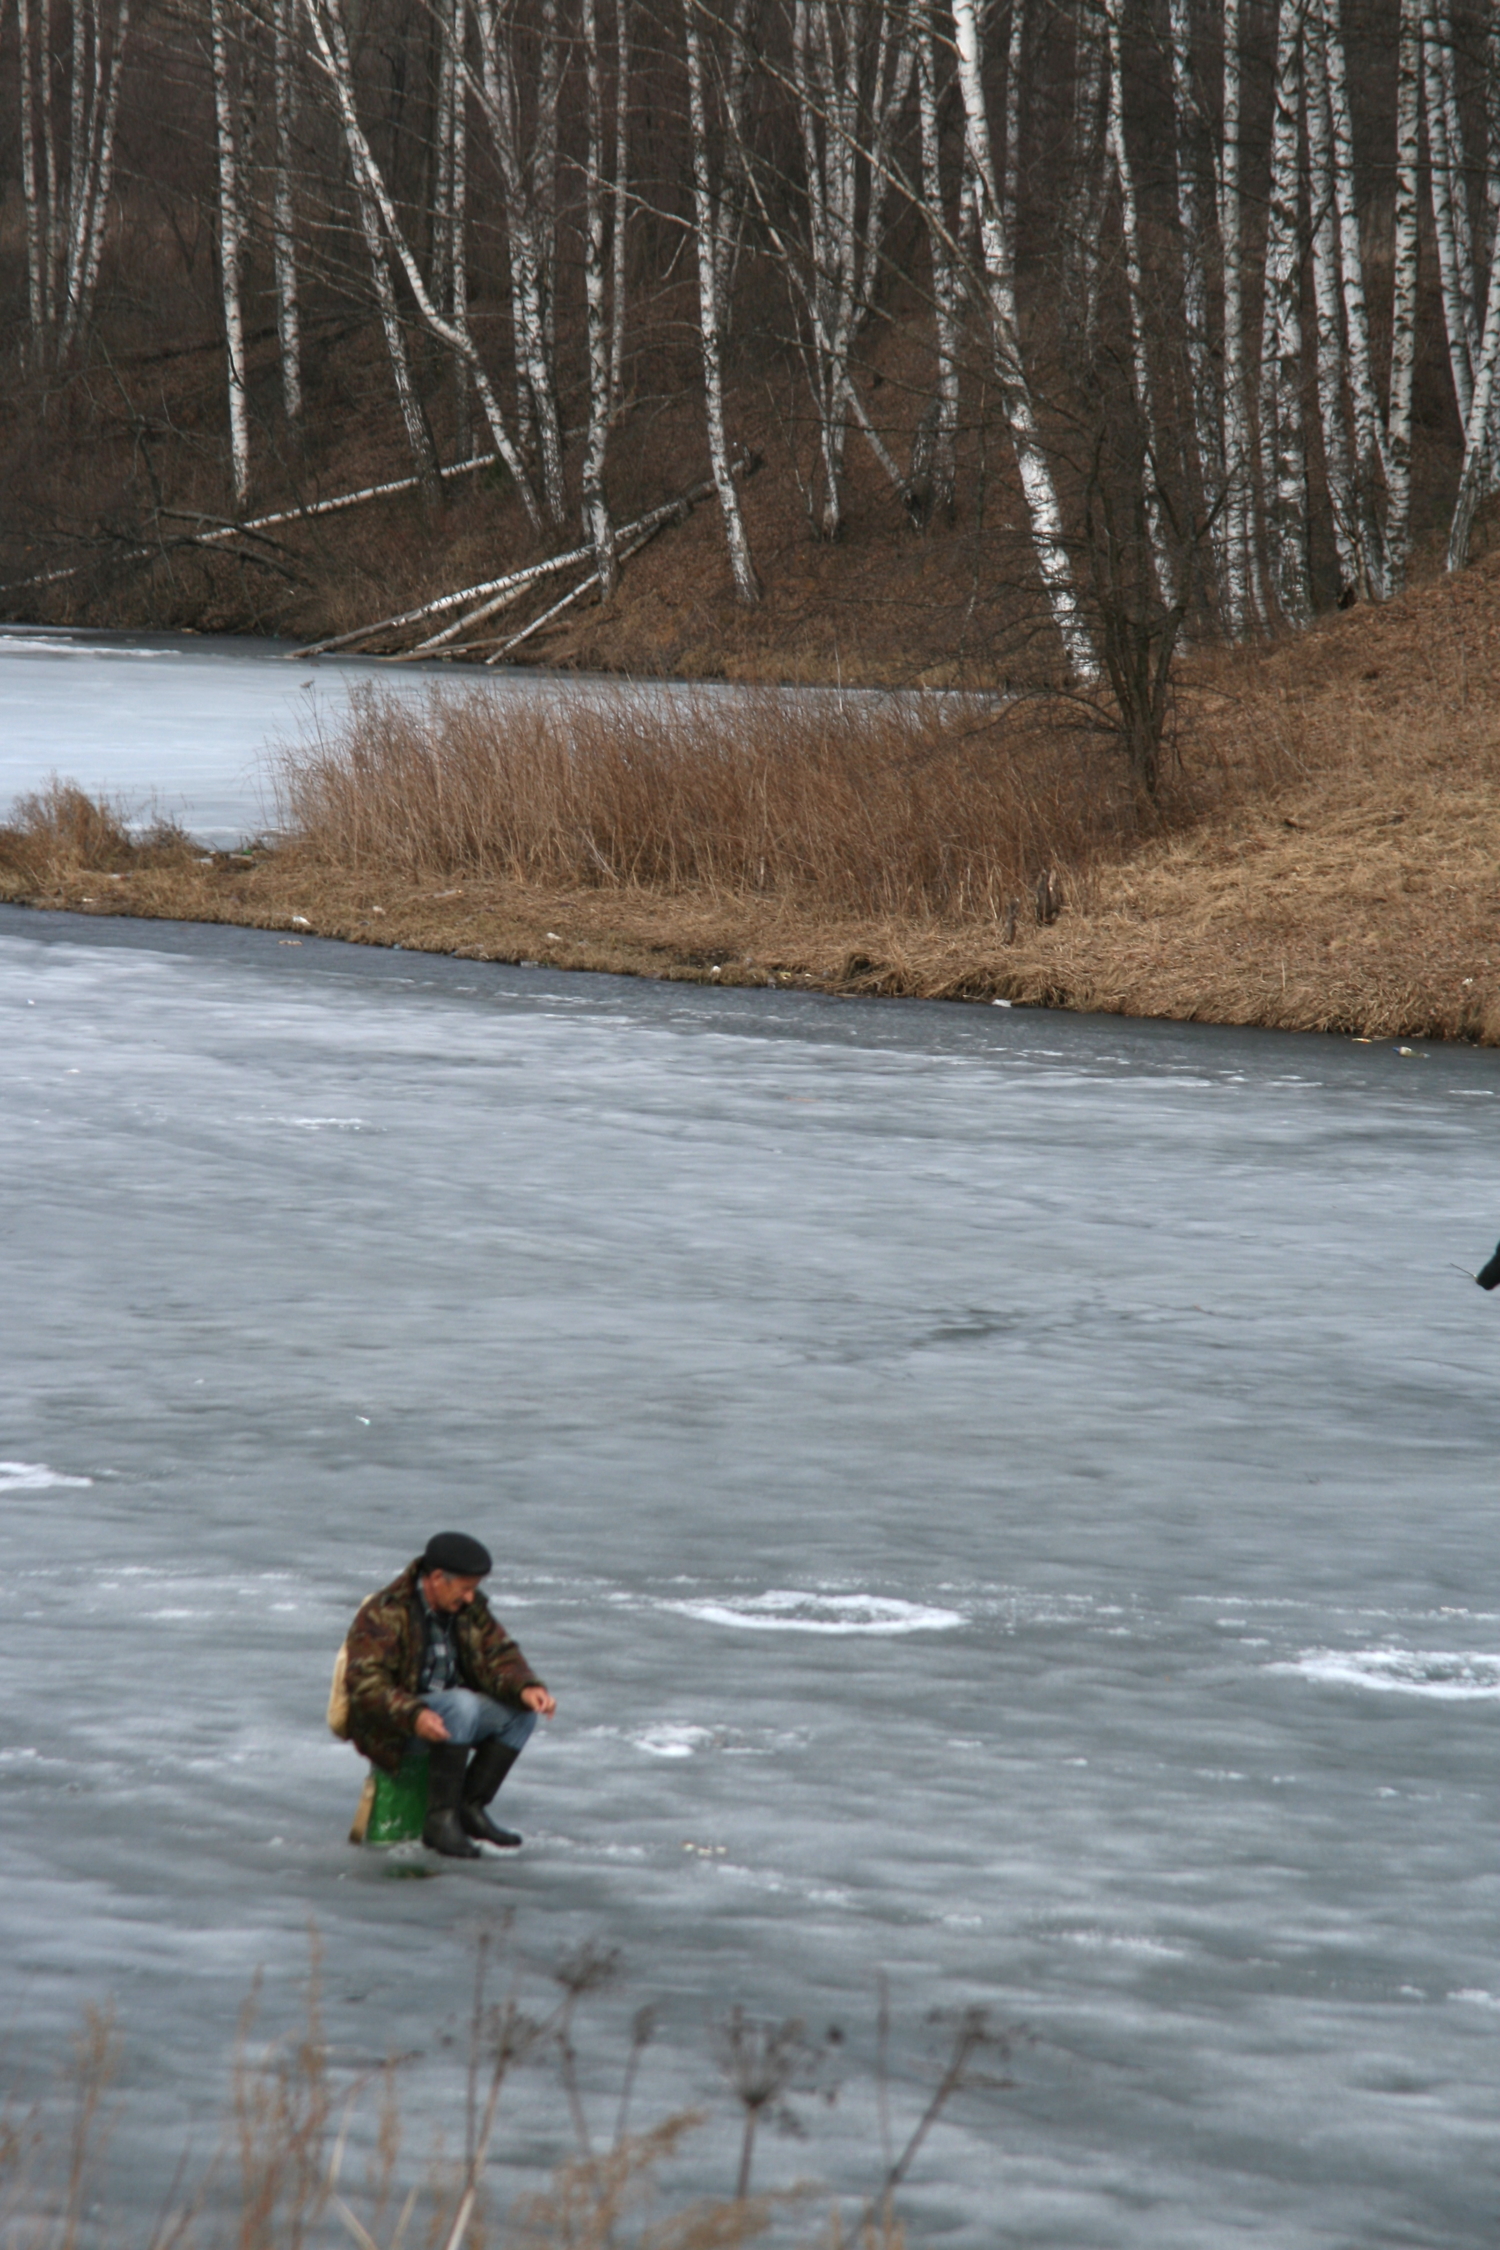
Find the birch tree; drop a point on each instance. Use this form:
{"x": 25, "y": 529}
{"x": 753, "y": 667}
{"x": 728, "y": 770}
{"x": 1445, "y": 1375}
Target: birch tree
{"x": 1208, "y": 430}
{"x": 596, "y": 516}
{"x": 1048, "y": 536}
{"x": 851, "y": 69}
{"x": 1163, "y": 559}
{"x": 382, "y": 225}
{"x": 1406, "y": 243}
{"x": 716, "y": 207}
{"x": 67, "y": 171}
{"x": 1328, "y": 303}
{"x": 1450, "y": 214}
{"x": 231, "y": 214}
{"x": 1369, "y": 452}
{"x": 934, "y": 459}
{"x": 513, "y": 65}
{"x": 1238, "y": 470}
{"x": 284, "y": 214}
{"x": 1282, "y": 443}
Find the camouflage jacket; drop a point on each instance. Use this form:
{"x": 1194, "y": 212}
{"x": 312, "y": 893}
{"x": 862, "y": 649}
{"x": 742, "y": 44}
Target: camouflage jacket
{"x": 384, "y": 1664}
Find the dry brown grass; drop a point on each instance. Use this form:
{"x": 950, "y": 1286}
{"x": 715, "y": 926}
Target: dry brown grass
{"x": 59, "y": 832}
{"x": 910, "y": 807}
{"x": 1329, "y": 861}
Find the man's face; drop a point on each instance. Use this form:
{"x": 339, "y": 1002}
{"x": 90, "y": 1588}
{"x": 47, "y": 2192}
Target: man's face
{"x": 447, "y": 1593}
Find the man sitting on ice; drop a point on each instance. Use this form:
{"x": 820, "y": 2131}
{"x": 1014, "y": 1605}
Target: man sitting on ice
{"x": 429, "y": 1670}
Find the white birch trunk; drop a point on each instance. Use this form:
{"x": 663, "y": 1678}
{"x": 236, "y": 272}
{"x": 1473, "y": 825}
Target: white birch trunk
{"x": 1238, "y": 471}
{"x": 1369, "y": 469}
{"x": 596, "y": 516}
{"x": 231, "y": 248}
{"x": 52, "y": 254}
{"x": 934, "y": 466}
{"x": 619, "y": 244}
{"x": 1048, "y": 541}
{"x": 1283, "y": 453}
{"x": 549, "y": 78}
{"x": 101, "y": 169}
{"x": 712, "y": 254}
{"x": 895, "y": 63}
{"x": 1405, "y": 249}
{"x": 458, "y": 218}
{"x": 1208, "y": 439}
{"x": 450, "y": 266}
{"x": 1328, "y": 303}
{"x": 284, "y": 216}
{"x": 413, "y": 419}
{"x": 1015, "y": 56}
{"x": 1163, "y": 560}
{"x": 527, "y": 183}
{"x": 326, "y": 23}
{"x": 31, "y": 187}
{"x": 825, "y": 76}
{"x": 1478, "y": 432}
{"x": 66, "y": 211}
{"x": 1449, "y": 211}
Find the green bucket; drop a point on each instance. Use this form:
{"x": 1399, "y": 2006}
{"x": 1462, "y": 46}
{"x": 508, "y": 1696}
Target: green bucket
{"x": 400, "y": 1806}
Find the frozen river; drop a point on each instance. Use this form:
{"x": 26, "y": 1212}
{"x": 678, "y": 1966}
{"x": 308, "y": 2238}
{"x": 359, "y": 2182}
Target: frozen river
{"x": 1006, "y": 1503}
{"x": 177, "y": 725}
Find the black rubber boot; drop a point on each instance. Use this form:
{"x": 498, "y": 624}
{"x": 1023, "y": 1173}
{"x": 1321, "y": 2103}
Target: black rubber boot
{"x": 443, "y": 1830}
{"x": 493, "y": 1760}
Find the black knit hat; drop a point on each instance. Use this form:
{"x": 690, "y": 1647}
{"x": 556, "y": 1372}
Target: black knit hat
{"x": 458, "y": 1554}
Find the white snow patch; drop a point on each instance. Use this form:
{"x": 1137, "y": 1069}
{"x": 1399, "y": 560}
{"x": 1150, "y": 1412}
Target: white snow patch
{"x": 787, "y": 1610}
{"x": 673, "y": 1741}
{"x": 1121, "y": 1941}
{"x": 1477, "y": 1995}
{"x": 1451, "y": 1675}
{"x": 33, "y": 1476}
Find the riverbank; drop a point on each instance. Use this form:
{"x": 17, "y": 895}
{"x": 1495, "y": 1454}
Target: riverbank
{"x": 1346, "y": 881}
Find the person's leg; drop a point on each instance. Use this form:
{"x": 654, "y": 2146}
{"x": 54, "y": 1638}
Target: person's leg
{"x": 472, "y": 1718}
{"x": 498, "y": 1735}
{"x": 443, "y": 1830}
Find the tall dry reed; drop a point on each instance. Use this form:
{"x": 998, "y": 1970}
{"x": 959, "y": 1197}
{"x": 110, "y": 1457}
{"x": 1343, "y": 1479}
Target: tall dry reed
{"x": 60, "y": 829}
{"x": 903, "y": 806}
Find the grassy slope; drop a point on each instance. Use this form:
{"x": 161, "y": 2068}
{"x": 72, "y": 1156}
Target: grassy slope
{"x": 1355, "y": 889}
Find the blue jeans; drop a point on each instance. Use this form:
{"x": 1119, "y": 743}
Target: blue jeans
{"x": 470, "y": 1717}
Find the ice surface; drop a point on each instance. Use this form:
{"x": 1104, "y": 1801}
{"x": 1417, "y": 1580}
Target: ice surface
{"x": 178, "y": 726}
{"x": 175, "y": 727}
{"x": 966, "y": 1474}
{"x": 1444, "y": 1673}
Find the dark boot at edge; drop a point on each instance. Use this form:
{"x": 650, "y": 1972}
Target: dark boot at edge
{"x": 492, "y": 1762}
{"x": 443, "y": 1830}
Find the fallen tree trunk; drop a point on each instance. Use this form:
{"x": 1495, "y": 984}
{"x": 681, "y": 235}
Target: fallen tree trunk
{"x": 307, "y": 508}
{"x": 494, "y": 593}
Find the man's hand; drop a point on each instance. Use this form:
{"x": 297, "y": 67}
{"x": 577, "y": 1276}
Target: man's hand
{"x": 431, "y": 1728}
{"x": 537, "y": 1699}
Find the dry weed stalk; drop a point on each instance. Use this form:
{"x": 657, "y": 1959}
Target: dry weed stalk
{"x": 60, "y": 830}
{"x": 915, "y": 806}
{"x": 290, "y": 2126}
{"x": 283, "y": 2106}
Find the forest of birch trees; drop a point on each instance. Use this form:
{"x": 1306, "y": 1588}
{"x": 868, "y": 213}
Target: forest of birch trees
{"x": 1220, "y": 278}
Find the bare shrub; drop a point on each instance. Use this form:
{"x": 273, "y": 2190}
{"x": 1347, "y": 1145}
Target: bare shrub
{"x": 919, "y": 806}
{"x": 60, "y": 830}
{"x": 277, "y": 2181}
{"x": 60, "y": 827}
